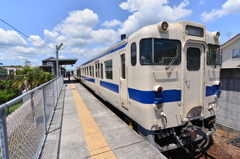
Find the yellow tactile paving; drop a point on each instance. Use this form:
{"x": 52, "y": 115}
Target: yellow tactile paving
{"x": 97, "y": 144}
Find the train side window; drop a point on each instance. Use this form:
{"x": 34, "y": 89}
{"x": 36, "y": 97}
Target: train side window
{"x": 98, "y": 70}
{"x": 101, "y": 71}
{"x": 146, "y": 51}
{"x": 108, "y": 69}
{"x": 133, "y": 54}
{"x": 123, "y": 65}
{"x": 90, "y": 70}
{"x": 87, "y": 71}
{"x": 93, "y": 71}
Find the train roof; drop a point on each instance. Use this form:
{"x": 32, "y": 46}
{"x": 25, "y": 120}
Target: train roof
{"x": 111, "y": 49}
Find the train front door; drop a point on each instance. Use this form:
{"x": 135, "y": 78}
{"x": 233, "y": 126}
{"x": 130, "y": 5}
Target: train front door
{"x": 193, "y": 81}
{"x": 123, "y": 82}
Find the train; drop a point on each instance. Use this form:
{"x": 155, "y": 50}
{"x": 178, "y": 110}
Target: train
{"x": 165, "y": 79}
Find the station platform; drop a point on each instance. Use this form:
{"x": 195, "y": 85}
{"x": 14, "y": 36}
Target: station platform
{"x": 83, "y": 127}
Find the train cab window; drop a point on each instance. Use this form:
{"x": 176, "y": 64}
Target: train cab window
{"x": 133, "y": 54}
{"x": 101, "y": 71}
{"x": 108, "y": 69}
{"x": 167, "y": 51}
{"x": 213, "y": 55}
{"x": 146, "y": 51}
{"x": 193, "y": 59}
{"x": 160, "y": 52}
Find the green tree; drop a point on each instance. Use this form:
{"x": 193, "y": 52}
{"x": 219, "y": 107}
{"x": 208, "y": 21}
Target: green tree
{"x": 31, "y": 77}
{"x": 7, "y": 92}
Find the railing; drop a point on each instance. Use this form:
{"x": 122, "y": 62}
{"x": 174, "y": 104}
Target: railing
{"x": 22, "y": 133}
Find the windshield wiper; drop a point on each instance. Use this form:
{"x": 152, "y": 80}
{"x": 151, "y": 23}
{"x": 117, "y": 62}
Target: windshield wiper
{"x": 173, "y": 60}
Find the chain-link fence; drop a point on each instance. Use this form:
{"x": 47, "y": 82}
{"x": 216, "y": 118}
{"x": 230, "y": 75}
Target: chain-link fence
{"x": 23, "y": 132}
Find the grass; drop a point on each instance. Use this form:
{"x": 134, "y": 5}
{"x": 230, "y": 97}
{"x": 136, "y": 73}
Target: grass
{"x": 13, "y": 108}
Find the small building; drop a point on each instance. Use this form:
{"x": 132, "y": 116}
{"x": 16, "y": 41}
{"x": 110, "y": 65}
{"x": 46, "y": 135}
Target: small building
{"x": 231, "y": 53}
{"x": 49, "y": 65}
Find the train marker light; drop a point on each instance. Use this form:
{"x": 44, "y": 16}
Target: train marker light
{"x": 158, "y": 89}
{"x": 218, "y": 83}
{"x": 216, "y": 35}
{"x": 163, "y": 26}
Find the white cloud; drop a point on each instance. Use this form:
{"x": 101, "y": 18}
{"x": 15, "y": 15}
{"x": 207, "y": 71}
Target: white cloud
{"x": 106, "y": 37}
{"x": 112, "y": 23}
{"x": 62, "y": 57}
{"x": 50, "y": 36}
{"x": 146, "y": 12}
{"x": 78, "y": 24}
{"x": 77, "y": 30}
{"x": 25, "y": 49}
{"x": 86, "y": 53}
{"x": 201, "y": 2}
{"x": 11, "y": 38}
{"x": 38, "y": 42}
{"x": 229, "y": 7}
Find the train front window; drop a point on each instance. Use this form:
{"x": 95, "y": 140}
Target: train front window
{"x": 160, "y": 51}
{"x": 167, "y": 51}
{"x": 213, "y": 55}
{"x": 146, "y": 51}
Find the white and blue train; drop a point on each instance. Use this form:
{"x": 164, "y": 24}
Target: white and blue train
{"x": 165, "y": 79}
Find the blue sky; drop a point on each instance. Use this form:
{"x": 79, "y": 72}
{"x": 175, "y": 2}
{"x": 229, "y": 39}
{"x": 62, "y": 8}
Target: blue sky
{"x": 87, "y": 27}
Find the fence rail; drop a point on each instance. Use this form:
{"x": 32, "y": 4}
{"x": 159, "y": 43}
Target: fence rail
{"x": 22, "y": 133}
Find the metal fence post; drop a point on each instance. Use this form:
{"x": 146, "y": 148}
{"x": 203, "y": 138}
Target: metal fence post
{"x": 3, "y": 135}
{"x": 44, "y": 110}
{"x": 33, "y": 109}
{"x": 53, "y": 95}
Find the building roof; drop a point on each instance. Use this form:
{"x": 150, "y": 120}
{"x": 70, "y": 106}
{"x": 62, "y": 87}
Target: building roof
{"x": 64, "y": 61}
{"x": 230, "y": 41}
{"x": 61, "y": 61}
{"x": 48, "y": 59}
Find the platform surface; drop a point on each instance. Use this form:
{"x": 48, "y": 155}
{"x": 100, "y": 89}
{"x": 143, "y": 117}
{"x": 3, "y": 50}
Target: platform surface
{"x": 83, "y": 127}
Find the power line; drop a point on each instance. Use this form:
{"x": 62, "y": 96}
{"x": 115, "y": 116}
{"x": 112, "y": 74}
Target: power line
{"x": 23, "y": 33}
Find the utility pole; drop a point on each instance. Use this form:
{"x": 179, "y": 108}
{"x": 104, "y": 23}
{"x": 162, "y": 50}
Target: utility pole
{"x": 57, "y": 49}
{"x": 229, "y": 34}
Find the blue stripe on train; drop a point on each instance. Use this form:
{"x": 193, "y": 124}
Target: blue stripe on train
{"x": 88, "y": 79}
{"x": 212, "y": 90}
{"x": 149, "y": 97}
{"x": 111, "y": 86}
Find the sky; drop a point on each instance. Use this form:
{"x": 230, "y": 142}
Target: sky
{"x": 31, "y": 29}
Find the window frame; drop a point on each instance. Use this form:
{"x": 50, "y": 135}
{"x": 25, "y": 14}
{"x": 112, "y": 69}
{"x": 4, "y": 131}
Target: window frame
{"x": 199, "y": 59}
{"x": 238, "y": 54}
{"x": 131, "y": 49}
{"x": 106, "y": 74}
{"x": 207, "y": 60}
{"x": 153, "y": 53}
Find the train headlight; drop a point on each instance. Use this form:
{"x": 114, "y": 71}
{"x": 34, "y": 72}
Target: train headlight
{"x": 216, "y": 35}
{"x": 162, "y": 26}
{"x": 158, "y": 89}
{"x": 218, "y": 83}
